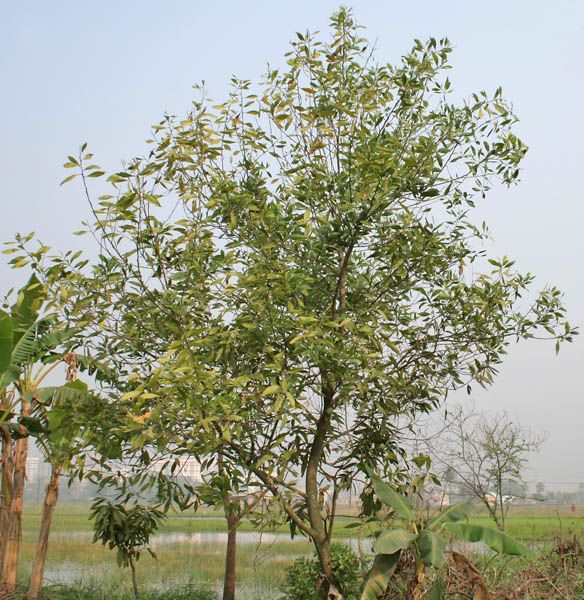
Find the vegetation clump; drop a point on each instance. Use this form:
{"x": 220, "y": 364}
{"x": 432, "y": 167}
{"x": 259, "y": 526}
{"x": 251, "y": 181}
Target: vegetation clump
{"x": 304, "y": 581}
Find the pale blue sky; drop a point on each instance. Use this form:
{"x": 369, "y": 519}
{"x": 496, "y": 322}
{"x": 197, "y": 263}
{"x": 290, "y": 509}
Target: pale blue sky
{"x": 103, "y": 72}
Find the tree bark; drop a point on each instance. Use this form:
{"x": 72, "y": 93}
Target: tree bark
{"x": 5, "y": 493}
{"x": 51, "y": 497}
{"x": 134, "y": 579}
{"x": 320, "y": 539}
{"x": 14, "y": 530}
{"x": 229, "y": 579}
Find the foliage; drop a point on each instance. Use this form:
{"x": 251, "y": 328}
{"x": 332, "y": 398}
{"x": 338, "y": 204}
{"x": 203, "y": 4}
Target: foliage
{"x": 425, "y": 539}
{"x": 128, "y": 529}
{"x": 290, "y": 271}
{"x": 304, "y": 582}
{"x": 25, "y": 339}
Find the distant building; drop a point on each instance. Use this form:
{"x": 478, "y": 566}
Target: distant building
{"x": 182, "y": 466}
{"x": 32, "y": 468}
{"x": 190, "y": 468}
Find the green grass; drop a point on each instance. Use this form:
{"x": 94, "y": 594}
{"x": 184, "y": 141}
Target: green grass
{"x": 526, "y": 523}
{"x": 108, "y": 592}
{"x": 260, "y": 569}
{"x": 74, "y": 559}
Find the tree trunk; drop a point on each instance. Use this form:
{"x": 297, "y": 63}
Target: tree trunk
{"x": 134, "y": 579}
{"x": 323, "y": 551}
{"x": 229, "y": 580}
{"x": 5, "y": 493}
{"x": 51, "y": 497}
{"x": 320, "y": 539}
{"x": 14, "y": 531}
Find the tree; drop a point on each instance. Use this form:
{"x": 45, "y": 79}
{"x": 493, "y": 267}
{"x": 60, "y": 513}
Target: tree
{"x": 487, "y": 454}
{"x": 238, "y": 498}
{"x": 59, "y": 445}
{"x": 126, "y": 528}
{"x": 289, "y": 271}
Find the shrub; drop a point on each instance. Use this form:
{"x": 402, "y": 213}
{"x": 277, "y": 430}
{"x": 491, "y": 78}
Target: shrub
{"x": 302, "y": 577}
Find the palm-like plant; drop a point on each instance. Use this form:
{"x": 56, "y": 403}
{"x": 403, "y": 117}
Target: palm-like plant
{"x": 29, "y": 351}
{"x": 425, "y": 538}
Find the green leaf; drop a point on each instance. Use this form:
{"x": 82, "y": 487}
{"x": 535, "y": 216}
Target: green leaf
{"x": 401, "y": 505}
{"x": 69, "y": 178}
{"x": 22, "y": 352}
{"x": 5, "y": 340}
{"x": 271, "y": 389}
{"x": 72, "y": 390}
{"x": 494, "y": 539}
{"x": 393, "y": 540}
{"x": 376, "y": 580}
{"x": 33, "y": 425}
{"x": 28, "y": 303}
{"x": 431, "y": 547}
{"x": 437, "y": 591}
{"x": 78, "y": 385}
{"x": 451, "y": 514}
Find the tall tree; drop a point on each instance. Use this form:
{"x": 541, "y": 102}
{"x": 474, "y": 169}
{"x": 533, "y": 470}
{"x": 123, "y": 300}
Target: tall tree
{"x": 60, "y": 446}
{"x": 289, "y": 271}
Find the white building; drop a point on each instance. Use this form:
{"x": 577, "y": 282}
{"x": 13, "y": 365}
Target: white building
{"x": 32, "y": 468}
{"x": 190, "y": 468}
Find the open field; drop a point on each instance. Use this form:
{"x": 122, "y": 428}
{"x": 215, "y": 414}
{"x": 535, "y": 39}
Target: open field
{"x": 537, "y": 522}
{"x": 191, "y": 548}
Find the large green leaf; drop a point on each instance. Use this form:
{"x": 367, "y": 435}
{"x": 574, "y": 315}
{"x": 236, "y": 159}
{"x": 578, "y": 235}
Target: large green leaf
{"x": 393, "y": 540}
{"x": 72, "y": 390}
{"x": 33, "y": 425}
{"x": 401, "y": 505}
{"x": 52, "y": 340}
{"x": 28, "y": 303}
{"x": 451, "y": 514}
{"x": 5, "y": 340}
{"x": 376, "y": 580}
{"x": 21, "y": 352}
{"x": 32, "y": 346}
{"x": 432, "y": 549}
{"x": 494, "y": 539}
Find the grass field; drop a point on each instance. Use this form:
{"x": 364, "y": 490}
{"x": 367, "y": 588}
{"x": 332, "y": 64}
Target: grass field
{"x": 537, "y": 522}
{"x": 194, "y": 558}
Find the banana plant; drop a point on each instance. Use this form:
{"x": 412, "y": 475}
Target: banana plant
{"x": 426, "y": 539}
{"x": 29, "y": 351}
{"x": 27, "y": 356}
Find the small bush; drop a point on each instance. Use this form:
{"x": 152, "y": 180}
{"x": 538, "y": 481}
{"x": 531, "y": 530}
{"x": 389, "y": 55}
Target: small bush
{"x": 302, "y": 577}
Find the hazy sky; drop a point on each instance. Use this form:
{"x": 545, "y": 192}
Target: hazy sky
{"x": 104, "y": 72}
